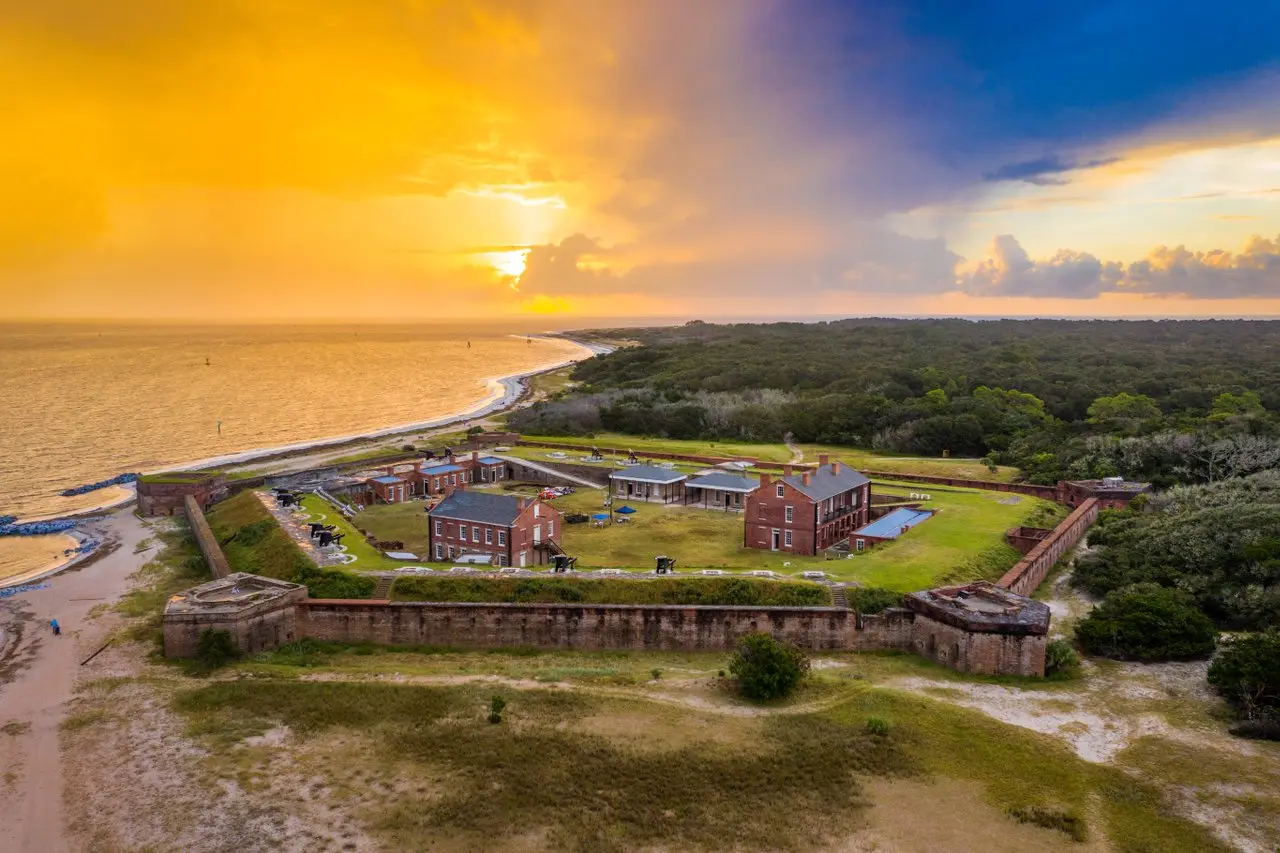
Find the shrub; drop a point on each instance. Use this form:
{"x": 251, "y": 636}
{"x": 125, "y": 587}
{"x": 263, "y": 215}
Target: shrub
{"x": 1060, "y": 658}
{"x": 496, "y": 704}
{"x": 873, "y": 599}
{"x": 656, "y": 673}
{"x": 767, "y": 668}
{"x": 333, "y": 583}
{"x": 1146, "y": 622}
{"x": 1247, "y": 674}
{"x": 215, "y": 649}
{"x": 878, "y": 726}
{"x": 1063, "y": 822}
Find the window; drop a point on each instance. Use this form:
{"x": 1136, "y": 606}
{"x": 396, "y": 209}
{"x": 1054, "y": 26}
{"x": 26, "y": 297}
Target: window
{"x": 435, "y": 484}
{"x": 551, "y": 529}
{"x": 782, "y": 492}
{"x": 488, "y": 536}
{"x": 453, "y": 479}
{"x": 439, "y": 528}
{"x": 786, "y": 538}
{"x": 451, "y": 552}
{"x": 502, "y": 537}
{"x": 439, "y": 551}
{"x": 475, "y": 533}
{"x": 791, "y": 512}
{"x": 502, "y": 560}
{"x": 462, "y": 532}
{"x": 537, "y": 510}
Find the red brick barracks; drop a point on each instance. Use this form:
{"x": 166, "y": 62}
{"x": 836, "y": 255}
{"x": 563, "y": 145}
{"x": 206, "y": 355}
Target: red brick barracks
{"x": 408, "y": 480}
{"x": 512, "y": 530}
{"x": 807, "y": 513}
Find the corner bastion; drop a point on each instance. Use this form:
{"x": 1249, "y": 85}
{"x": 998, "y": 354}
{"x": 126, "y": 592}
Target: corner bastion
{"x": 258, "y": 612}
{"x": 980, "y": 628}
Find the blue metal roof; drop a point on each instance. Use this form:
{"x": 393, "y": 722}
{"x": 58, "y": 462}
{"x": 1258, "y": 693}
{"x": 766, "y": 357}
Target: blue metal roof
{"x": 442, "y": 469}
{"x": 890, "y": 526}
{"x": 387, "y": 480}
{"x": 490, "y": 460}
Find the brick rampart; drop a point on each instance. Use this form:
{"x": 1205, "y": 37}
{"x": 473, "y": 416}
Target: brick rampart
{"x": 205, "y": 539}
{"x": 600, "y": 626}
{"x": 159, "y": 498}
{"x": 1030, "y": 571}
{"x": 978, "y": 652}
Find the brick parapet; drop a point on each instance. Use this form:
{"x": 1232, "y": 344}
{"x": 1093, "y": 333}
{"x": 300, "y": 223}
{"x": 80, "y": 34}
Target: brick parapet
{"x": 1029, "y": 572}
{"x": 205, "y": 539}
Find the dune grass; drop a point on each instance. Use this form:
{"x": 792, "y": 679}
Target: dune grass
{"x": 587, "y": 770}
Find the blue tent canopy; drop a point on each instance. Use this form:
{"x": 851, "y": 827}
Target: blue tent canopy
{"x": 599, "y": 516}
{"x": 624, "y": 510}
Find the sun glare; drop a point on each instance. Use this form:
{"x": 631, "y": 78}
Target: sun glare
{"x": 508, "y": 264}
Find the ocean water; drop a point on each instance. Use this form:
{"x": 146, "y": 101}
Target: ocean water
{"x": 84, "y": 402}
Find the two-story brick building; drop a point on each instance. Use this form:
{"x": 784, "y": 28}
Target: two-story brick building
{"x": 807, "y": 512}
{"x": 513, "y": 530}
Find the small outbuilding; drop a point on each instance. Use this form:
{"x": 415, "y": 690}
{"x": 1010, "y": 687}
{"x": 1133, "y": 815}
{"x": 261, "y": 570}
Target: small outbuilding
{"x": 980, "y": 628}
{"x": 388, "y": 489}
{"x": 719, "y": 490}
{"x": 648, "y": 483}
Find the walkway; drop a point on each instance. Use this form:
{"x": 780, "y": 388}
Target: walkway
{"x": 546, "y": 469}
{"x": 297, "y": 524}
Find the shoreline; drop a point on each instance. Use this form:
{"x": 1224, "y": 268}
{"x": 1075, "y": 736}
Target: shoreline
{"x": 505, "y": 392}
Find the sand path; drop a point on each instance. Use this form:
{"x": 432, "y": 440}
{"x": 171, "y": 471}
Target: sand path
{"x": 38, "y": 674}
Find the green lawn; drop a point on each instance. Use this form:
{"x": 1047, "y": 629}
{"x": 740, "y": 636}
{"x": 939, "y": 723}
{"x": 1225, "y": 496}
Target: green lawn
{"x": 406, "y": 522}
{"x": 890, "y": 463}
{"x": 966, "y": 536}
{"x": 368, "y": 558}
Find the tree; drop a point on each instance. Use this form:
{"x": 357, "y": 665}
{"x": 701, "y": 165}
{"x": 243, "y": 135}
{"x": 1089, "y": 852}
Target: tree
{"x": 767, "y": 668}
{"x": 1147, "y": 622}
{"x": 1228, "y": 405}
{"x": 1247, "y": 674}
{"x": 1123, "y": 410}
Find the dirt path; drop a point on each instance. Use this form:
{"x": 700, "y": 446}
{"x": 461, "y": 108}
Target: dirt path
{"x": 797, "y": 455}
{"x": 38, "y": 674}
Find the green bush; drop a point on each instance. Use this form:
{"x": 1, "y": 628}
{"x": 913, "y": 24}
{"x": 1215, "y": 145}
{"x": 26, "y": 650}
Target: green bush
{"x": 767, "y": 668}
{"x": 878, "y": 726}
{"x": 1247, "y": 674}
{"x": 215, "y": 649}
{"x": 1060, "y": 658}
{"x": 872, "y": 599}
{"x": 1146, "y": 622}
{"x": 496, "y": 704}
{"x": 1063, "y": 822}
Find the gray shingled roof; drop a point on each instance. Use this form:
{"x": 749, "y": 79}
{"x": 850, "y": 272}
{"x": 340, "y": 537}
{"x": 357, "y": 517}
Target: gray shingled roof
{"x": 823, "y": 484}
{"x": 647, "y": 474}
{"x": 480, "y": 507}
{"x": 721, "y": 480}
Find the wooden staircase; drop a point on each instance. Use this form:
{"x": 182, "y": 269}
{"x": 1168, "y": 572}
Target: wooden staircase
{"x": 382, "y": 591}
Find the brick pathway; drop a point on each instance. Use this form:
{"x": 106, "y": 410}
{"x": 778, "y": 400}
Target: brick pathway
{"x": 296, "y": 523}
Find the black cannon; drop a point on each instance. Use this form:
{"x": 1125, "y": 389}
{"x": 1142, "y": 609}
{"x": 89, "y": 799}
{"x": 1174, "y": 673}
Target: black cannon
{"x": 562, "y": 563}
{"x": 317, "y": 529}
{"x": 666, "y": 566}
{"x": 632, "y": 458}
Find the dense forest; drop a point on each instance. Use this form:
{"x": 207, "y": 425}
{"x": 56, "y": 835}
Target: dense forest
{"x": 1164, "y": 401}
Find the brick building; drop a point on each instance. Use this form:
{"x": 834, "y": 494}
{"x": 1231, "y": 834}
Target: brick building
{"x": 513, "y": 530}
{"x": 407, "y": 480}
{"x": 808, "y": 512}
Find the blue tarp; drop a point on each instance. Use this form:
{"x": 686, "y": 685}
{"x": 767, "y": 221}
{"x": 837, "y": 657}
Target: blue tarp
{"x": 624, "y": 510}
{"x": 890, "y": 526}
{"x": 600, "y": 516}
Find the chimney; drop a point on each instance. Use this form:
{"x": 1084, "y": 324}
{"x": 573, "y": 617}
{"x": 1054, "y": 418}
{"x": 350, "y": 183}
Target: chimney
{"x": 835, "y": 467}
{"x": 475, "y": 456}
{"x": 822, "y": 459}
{"x": 786, "y": 470}
{"x": 764, "y": 478}
{"x": 805, "y": 477}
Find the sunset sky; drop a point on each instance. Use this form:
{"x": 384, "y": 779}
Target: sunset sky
{"x": 409, "y": 159}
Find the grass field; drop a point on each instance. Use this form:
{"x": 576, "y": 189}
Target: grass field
{"x": 252, "y": 540}
{"x": 653, "y": 751}
{"x": 967, "y": 468}
{"x": 367, "y": 557}
{"x": 968, "y": 531}
{"x": 406, "y": 522}
{"x": 732, "y": 591}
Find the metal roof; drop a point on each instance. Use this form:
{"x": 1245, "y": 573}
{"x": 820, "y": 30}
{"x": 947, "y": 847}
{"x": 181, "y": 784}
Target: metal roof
{"x": 823, "y": 484}
{"x": 647, "y": 474}
{"x": 388, "y": 480}
{"x": 481, "y": 507}
{"x": 442, "y": 469}
{"x": 725, "y": 482}
{"x": 489, "y": 460}
{"x": 890, "y": 526}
